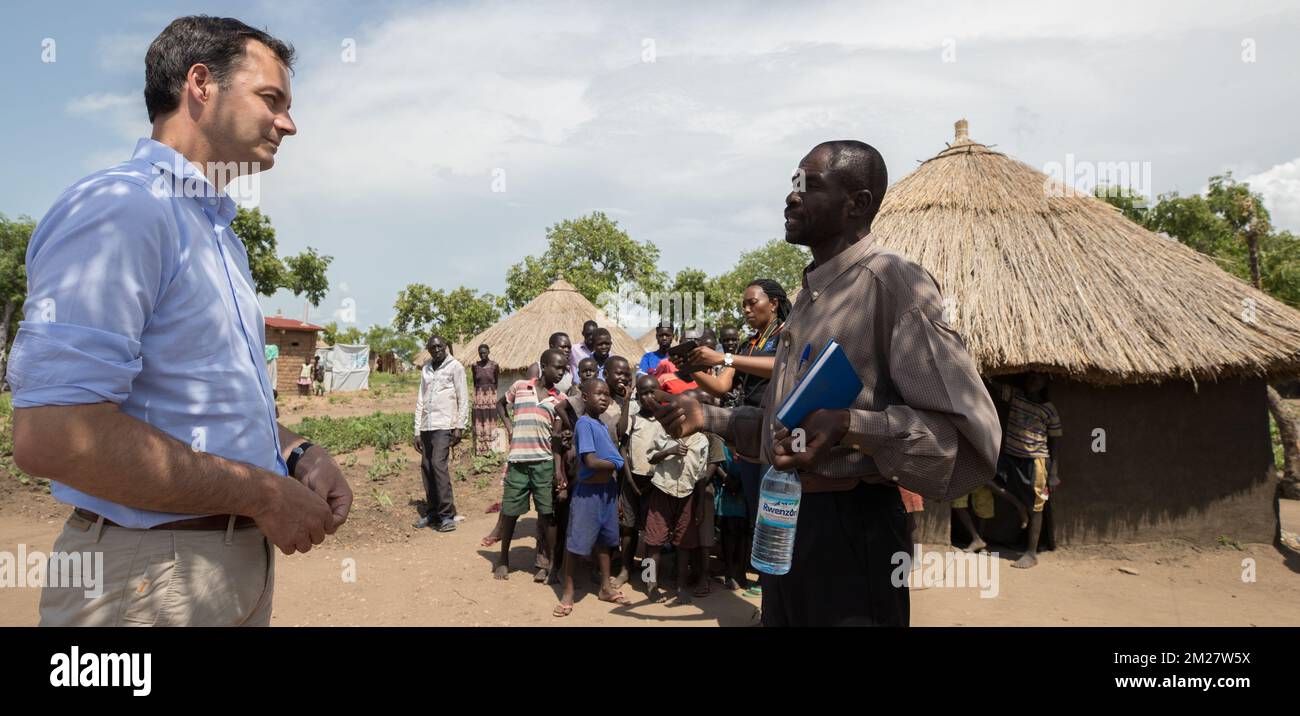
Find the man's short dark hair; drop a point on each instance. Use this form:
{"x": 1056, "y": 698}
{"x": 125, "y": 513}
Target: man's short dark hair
{"x": 216, "y": 42}
{"x": 551, "y": 354}
{"x": 602, "y": 332}
{"x": 857, "y": 165}
{"x": 555, "y": 337}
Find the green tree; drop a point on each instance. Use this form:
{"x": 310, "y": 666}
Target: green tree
{"x": 15, "y": 234}
{"x": 591, "y": 253}
{"x": 778, "y": 260}
{"x": 458, "y": 315}
{"x": 1132, "y": 204}
{"x": 686, "y": 300}
{"x": 349, "y": 336}
{"x": 303, "y": 274}
{"x": 383, "y": 339}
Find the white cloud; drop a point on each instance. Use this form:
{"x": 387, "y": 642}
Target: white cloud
{"x": 392, "y": 170}
{"x": 1280, "y": 187}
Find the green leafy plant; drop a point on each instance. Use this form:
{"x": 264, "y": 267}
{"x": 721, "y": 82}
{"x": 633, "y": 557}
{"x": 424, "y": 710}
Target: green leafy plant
{"x": 381, "y": 431}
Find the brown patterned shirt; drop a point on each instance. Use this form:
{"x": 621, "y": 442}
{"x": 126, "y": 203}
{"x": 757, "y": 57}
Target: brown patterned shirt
{"x": 923, "y": 419}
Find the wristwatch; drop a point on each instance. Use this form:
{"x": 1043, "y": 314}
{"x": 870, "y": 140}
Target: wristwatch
{"x": 727, "y": 359}
{"x": 292, "y": 462}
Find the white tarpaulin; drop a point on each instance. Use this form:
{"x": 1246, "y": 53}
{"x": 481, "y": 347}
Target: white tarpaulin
{"x": 346, "y": 367}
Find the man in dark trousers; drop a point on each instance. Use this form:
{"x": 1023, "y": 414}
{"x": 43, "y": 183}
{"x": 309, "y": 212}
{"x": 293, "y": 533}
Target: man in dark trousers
{"x": 441, "y": 410}
{"x": 923, "y": 419}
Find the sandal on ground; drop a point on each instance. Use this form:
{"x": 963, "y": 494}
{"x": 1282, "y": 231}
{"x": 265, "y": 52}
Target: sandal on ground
{"x": 615, "y": 597}
{"x": 562, "y": 610}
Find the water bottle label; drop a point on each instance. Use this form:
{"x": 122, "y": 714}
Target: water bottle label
{"x": 778, "y": 511}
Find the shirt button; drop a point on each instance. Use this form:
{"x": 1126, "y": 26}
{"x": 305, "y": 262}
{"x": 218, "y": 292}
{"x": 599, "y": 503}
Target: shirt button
{"x": 816, "y": 294}
{"x": 894, "y": 478}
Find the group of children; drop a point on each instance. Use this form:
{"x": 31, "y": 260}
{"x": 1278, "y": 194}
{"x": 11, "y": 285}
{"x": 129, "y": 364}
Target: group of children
{"x": 608, "y": 482}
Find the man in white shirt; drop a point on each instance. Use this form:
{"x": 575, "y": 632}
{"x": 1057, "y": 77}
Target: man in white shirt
{"x": 441, "y": 411}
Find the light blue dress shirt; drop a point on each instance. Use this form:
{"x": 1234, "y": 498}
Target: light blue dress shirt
{"x": 139, "y": 293}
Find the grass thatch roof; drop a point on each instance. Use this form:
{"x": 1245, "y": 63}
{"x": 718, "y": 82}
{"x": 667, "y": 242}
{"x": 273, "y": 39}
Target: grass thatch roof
{"x": 1065, "y": 284}
{"x": 518, "y": 340}
{"x": 648, "y": 342}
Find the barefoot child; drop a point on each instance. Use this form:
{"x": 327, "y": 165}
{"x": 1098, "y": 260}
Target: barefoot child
{"x": 1028, "y": 449}
{"x": 671, "y": 517}
{"x": 644, "y": 432}
{"x": 593, "y": 498}
{"x": 531, "y": 462}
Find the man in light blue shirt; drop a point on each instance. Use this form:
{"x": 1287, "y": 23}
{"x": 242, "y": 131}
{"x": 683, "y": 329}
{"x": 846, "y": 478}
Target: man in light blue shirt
{"x": 138, "y": 373}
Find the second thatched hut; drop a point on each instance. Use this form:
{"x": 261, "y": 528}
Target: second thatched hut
{"x": 1158, "y": 359}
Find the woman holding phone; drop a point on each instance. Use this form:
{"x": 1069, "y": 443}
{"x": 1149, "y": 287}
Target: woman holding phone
{"x": 766, "y": 307}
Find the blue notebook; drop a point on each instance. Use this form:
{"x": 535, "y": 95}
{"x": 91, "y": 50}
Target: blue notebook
{"x": 830, "y": 384}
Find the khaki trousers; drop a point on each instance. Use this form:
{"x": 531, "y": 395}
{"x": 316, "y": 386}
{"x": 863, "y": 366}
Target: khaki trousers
{"x": 165, "y": 578}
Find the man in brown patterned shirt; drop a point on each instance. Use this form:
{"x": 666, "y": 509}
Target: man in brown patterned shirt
{"x": 923, "y": 420}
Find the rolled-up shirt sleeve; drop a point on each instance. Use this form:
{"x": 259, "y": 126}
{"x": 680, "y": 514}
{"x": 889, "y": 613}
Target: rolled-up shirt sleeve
{"x": 943, "y": 441}
{"x": 96, "y": 267}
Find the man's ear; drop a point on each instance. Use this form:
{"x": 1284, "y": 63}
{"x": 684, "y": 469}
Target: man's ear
{"x": 860, "y": 202}
{"x": 200, "y": 84}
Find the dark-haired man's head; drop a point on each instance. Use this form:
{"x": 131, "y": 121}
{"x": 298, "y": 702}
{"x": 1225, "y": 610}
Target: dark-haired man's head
{"x": 837, "y": 190}
{"x": 553, "y": 362}
{"x": 587, "y": 329}
{"x": 663, "y": 337}
{"x": 588, "y": 369}
{"x": 560, "y": 341}
{"x": 601, "y": 343}
{"x": 618, "y": 373}
{"x": 595, "y": 396}
{"x": 218, "y": 91}
{"x": 437, "y": 348}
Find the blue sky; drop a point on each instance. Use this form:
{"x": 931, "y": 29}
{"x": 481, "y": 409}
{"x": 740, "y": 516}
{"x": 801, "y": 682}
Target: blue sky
{"x": 682, "y": 121}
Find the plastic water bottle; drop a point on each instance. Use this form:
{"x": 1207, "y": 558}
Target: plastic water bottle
{"x": 778, "y": 513}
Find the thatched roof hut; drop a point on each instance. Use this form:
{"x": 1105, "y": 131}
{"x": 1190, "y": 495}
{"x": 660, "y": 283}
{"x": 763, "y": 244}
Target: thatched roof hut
{"x": 518, "y": 340}
{"x": 1158, "y": 359}
{"x": 1045, "y": 278}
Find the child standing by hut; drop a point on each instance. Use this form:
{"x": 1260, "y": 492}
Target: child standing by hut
{"x": 1033, "y": 430}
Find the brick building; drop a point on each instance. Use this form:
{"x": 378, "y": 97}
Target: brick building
{"x": 296, "y": 341}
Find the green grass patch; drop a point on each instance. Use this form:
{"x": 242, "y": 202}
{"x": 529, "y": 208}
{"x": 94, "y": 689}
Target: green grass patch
{"x": 381, "y": 431}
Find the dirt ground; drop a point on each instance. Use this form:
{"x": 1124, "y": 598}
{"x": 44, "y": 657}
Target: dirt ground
{"x": 405, "y": 576}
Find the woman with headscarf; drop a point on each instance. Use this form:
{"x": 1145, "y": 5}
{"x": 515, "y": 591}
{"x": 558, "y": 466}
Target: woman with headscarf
{"x": 766, "y": 307}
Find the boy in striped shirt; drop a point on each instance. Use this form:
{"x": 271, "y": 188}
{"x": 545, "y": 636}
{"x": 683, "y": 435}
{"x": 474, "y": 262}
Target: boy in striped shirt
{"x": 533, "y": 416}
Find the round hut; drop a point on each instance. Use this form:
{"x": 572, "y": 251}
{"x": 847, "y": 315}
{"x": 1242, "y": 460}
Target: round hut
{"x": 1158, "y": 360}
{"x": 517, "y": 341}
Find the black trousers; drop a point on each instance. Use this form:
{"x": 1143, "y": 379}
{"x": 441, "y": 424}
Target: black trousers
{"x": 844, "y": 547}
{"x": 436, "y": 448}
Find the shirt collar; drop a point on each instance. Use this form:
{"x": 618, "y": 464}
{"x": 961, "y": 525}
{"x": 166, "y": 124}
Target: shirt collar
{"x": 817, "y": 278}
{"x": 187, "y": 179}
